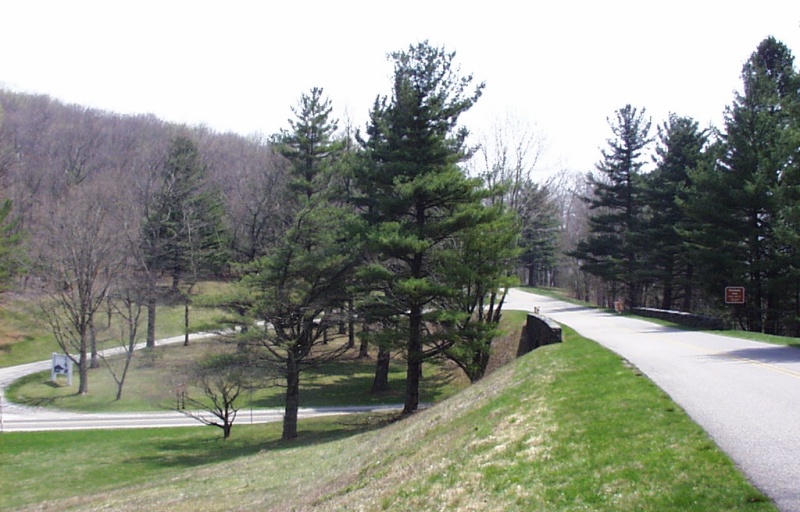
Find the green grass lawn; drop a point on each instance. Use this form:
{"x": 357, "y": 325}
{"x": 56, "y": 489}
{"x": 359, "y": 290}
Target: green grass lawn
{"x": 54, "y": 465}
{"x": 153, "y": 377}
{"x": 567, "y": 427}
{"x": 23, "y": 338}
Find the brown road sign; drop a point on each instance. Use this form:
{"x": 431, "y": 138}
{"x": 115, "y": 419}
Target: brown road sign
{"x": 734, "y": 295}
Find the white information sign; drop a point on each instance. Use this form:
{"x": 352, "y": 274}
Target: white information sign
{"x": 62, "y": 365}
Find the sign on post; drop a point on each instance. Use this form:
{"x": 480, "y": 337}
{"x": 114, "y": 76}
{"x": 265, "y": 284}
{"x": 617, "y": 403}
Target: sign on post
{"x": 62, "y": 365}
{"x": 734, "y": 295}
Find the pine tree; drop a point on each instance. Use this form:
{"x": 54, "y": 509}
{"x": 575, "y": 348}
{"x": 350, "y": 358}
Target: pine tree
{"x": 680, "y": 151}
{"x": 416, "y": 197}
{"x": 738, "y": 202}
{"x": 612, "y": 249}
{"x": 477, "y": 266}
{"x": 309, "y": 145}
{"x": 183, "y": 231}
{"x": 539, "y": 217}
{"x": 300, "y": 286}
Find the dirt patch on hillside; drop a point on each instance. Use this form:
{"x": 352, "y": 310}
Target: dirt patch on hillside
{"x": 504, "y": 349}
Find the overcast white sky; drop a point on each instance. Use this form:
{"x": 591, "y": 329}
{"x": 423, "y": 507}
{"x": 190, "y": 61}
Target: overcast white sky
{"x": 559, "y": 66}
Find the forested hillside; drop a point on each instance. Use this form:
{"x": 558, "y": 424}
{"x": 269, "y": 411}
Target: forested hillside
{"x": 50, "y": 150}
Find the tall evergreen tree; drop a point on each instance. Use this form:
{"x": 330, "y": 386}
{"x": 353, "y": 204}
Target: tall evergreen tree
{"x": 539, "y": 217}
{"x": 679, "y": 152}
{"x": 300, "y": 286}
{"x": 477, "y": 266}
{"x": 738, "y": 201}
{"x": 417, "y": 198}
{"x": 309, "y": 145}
{"x": 183, "y": 231}
{"x": 613, "y": 247}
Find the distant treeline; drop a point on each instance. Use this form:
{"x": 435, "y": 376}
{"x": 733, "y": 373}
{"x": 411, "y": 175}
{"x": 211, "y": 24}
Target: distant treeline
{"x": 47, "y": 147}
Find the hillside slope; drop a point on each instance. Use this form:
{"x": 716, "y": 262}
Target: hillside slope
{"x": 567, "y": 427}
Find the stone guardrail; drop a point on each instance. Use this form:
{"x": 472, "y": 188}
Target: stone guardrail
{"x": 682, "y": 318}
{"x": 538, "y": 332}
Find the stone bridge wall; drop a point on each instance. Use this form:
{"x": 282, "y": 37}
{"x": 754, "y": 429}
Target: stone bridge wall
{"x": 682, "y": 318}
{"x": 539, "y": 331}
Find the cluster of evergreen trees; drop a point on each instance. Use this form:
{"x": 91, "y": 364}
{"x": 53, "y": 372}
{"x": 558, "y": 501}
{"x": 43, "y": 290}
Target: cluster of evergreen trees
{"x": 719, "y": 209}
{"x": 390, "y": 228}
{"x": 318, "y": 228}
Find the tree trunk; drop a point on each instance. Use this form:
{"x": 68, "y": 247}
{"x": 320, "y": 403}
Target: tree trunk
{"x": 351, "y": 324}
{"x": 669, "y": 272}
{"x": 363, "y": 349}
{"x": 176, "y": 280}
{"x": 151, "y": 320}
{"x": 83, "y": 366}
{"x": 687, "y": 293}
{"x": 292, "y": 399}
{"x": 414, "y": 369}
{"x": 186, "y": 323}
{"x": 93, "y": 344}
{"x": 381, "y": 382}
{"x": 531, "y": 275}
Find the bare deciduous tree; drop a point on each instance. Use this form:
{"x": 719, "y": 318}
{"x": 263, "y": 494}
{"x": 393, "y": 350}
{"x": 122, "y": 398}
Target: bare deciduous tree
{"x": 510, "y": 156}
{"x": 221, "y": 380}
{"x": 80, "y": 259}
{"x": 127, "y": 303}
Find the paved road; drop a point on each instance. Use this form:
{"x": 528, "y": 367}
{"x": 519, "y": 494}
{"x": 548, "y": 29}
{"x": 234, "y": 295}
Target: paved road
{"x": 18, "y": 419}
{"x": 745, "y": 394}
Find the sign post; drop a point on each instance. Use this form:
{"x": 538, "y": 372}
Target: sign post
{"x": 62, "y": 365}
{"x": 734, "y": 295}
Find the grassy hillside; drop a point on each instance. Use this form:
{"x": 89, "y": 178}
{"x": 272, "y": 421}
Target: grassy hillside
{"x": 567, "y": 427}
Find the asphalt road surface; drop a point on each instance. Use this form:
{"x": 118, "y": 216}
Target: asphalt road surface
{"x": 745, "y": 394}
{"x": 18, "y": 418}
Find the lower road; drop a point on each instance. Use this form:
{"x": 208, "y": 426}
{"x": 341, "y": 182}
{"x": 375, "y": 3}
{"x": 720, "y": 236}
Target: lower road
{"x": 745, "y": 394}
{"x": 17, "y": 418}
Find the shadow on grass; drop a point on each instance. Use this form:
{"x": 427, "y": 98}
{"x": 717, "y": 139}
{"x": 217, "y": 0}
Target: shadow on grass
{"x": 38, "y": 401}
{"x": 194, "y": 452}
{"x": 348, "y": 382}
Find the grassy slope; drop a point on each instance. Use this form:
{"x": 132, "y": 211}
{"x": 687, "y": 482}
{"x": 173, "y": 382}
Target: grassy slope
{"x": 568, "y": 427}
